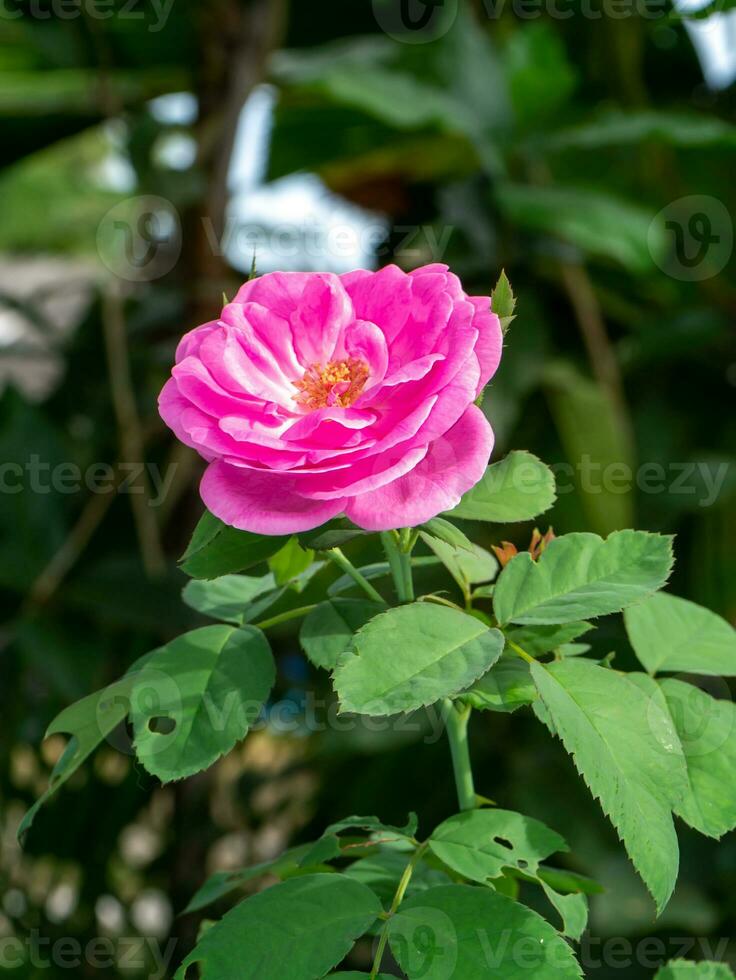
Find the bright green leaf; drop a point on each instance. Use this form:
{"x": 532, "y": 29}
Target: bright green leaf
{"x": 300, "y": 928}
{"x": 290, "y": 561}
{"x": 197, "y": 696}
{"x": 480, "y": 844}
{"x": 226, "y": 598}
{"x": 414, "y": 655}
{"x": 471, "y": 933}
{"x": 466, "y": 567}
{"x": 503, "y": 301}
{"x": 672, "y": 634}
{"x": 328, "y": 630}
{"x": 446, "y": 531}
{"x": 517, "y": 488}
{"x": 581, "y": 576}
{"x": 706, "y": 728}
{"x": 627, "y": 752}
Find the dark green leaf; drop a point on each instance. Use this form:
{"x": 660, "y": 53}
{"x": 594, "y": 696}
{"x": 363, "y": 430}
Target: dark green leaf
{"x": 463, "y": 932}
{"x": 197, "y": 696}
{"x": 300, "y": 928}
{"x": 328, "y": 630}
{"x": 217, "y": 549}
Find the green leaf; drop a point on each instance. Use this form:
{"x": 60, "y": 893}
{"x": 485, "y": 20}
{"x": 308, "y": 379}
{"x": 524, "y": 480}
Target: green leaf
{"x": 328, "y": 630}
{"x": 508, "y": 685}
{"x": 290, "y": 561}
{"x": 197, "y": 696}
{"x": 706, "y": 728}
{"x": 627, "y": 128}
{"x": 572, "y": 909}
{"x": 88, "y": 722}
{"x": 226, "y": 598}
{"x": 446, "y": 531}
{"x": 414, "y": 655}
{"x": 581, "y": 576}
{"x": 217, "y": 549}
{"x": 481, "y": 844}
{"x": 685, "y": 970}
{"x": 673, "y": 634}
{"x": 466, "y": 567}
{"x": 627, "y": 752}
{"x": 503, "y": 301}
{"x": 538, "y": 640}
{"x": 382, "y": 873}
{"x": 595, "y": 222}
{"x": 354, "y": 975}
{"x": 517, "y": 488}
{"x": 471, "y": 933}
{"x": 223, "y": 883}
{"x": 569, "y": 882}
{"x": 334, "y": 534}
{"x": 300, "y": 928}
{"x": 373, "y": 825}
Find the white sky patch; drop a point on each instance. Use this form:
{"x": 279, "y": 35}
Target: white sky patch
{"x": 714, "y": 40}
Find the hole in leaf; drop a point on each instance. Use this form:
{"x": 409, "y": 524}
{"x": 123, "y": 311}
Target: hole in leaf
{"x": 522, "y": 863}
{"x": 504, "y": 843}
{"x": 161, "y": 725}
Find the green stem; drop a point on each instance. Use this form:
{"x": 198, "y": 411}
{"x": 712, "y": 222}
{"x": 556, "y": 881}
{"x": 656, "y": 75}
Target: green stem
{"x": 519, "y": 651}
{"x": 398, "y": 898}
{"x": 456, "y": 725}
{"x": 400, "y": 562}
{"x": 284, "y": 617}
{"x": 347, "y": 566}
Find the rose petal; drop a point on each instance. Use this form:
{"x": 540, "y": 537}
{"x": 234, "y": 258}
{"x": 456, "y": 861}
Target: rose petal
{"x": 455, "y": 463}
{"x": 264, "y": 503}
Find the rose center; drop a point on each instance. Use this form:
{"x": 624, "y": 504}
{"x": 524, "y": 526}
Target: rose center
{"x": 335, "y": 383}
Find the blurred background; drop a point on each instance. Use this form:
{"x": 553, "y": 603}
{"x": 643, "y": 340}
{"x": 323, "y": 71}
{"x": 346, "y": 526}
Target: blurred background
{"x": 151, "y": 149}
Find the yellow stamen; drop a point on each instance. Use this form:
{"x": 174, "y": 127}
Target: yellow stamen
{"x": 335, "y": 383}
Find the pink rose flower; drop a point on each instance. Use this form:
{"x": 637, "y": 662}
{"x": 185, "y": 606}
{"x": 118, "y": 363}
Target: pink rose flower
{"x": 316, "y": 395}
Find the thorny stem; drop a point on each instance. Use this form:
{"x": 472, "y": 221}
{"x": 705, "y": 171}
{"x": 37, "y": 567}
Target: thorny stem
{"x": 347, "y": 566}
{"x": 398, "y": 898}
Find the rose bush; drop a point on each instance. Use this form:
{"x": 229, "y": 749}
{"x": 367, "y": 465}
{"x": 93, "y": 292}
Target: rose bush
{"x": 315, "y": 395}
